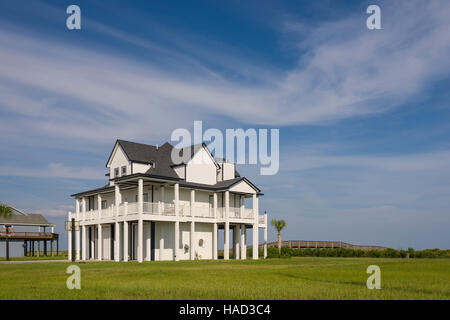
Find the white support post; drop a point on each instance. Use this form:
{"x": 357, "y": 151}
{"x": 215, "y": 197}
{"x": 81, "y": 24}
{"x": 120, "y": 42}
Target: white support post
{"x": 243, "y": 243}
{"x": 215, "y": 234}
{"x": 192, "y": 203}
{"x": 162, "y": 190}
{"x": 192, "y": 244}
{"x": 242, "y": 202}
{"x": 83, "y": 242}
{"x": 177, "y": 222}
{"x": 125, "y": 240}
{"x": 215, "y": 205}
{"x": 265, "y": 235}
{"x": 92, "y": 244}
{"x": 192, "y": 233}
{"x": 77, "y": 244}
{"x": 140, "y": 246}
{"x": 226, "y": 246}
{"x": 148, "y": 241}
{"x": 69, "y": 238}
{"x": 116, "y": 199}
{"x": 117, "y": 242}
{"x": 99, "y": 243}
{"x": 99, "y": 205}
{"x": 77, "y": 209}
{"x": 255, "y": 247}
{"x": 83, "y": 203}
{"x": 236, "y": 238}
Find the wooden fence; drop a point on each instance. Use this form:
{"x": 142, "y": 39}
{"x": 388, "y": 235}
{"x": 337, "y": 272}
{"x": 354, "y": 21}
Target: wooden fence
{"x": 322, "y": 244}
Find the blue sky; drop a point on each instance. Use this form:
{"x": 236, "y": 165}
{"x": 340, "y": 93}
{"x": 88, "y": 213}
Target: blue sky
{"x": 363, "y": 115}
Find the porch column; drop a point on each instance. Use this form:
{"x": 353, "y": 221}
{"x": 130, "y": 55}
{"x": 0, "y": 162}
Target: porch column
{"x": 99, "y": 205}
{"x": 99, "y": 242}
{"x": 265, "y": 234}
{"x": 162, "y": 196}
{"x": 148, "y": 241}
{"x": 77, "y": 208}
{"x": 242, "y": 203}
{"x": 116, "y": 199}
{"x": 117, "y": 242}
{"x": 93, "y": 242}
{"x": 69, "y": 238}
{"x": 226, "y": 246}
{"x": 77, "y": 244}
{"x": 215, "y": 205}
{"x": 192, "y": 233}
{"x": 215, "y": 241}
{"x": 125, "y": 241}
{"x": 255, "y": 227}
{"x": 243, "y": 242}
{"x": 177, "y": 222}
{"x": 192, "y": 244}
{"x": 83, "y": 205}
{"x": 236, "y": 238}
{"x": 192, "y": 203}
{"x": 140, "y": 244}
{"x": 83, "y": 241}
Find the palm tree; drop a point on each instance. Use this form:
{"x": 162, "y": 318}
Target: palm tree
{"x": 5, "y": 210}
{"x": 279, "y": 225}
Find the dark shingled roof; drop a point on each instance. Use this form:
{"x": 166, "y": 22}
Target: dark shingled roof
{"x": 31, "y": 219}
{"x": 160, "y": 157}
{"x": 221, "y": 185}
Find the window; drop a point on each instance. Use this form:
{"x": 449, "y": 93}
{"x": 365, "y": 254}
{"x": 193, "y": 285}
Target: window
{"x": 116, "y": 172}
{"x": 145, "y": 197}
{"x": 211, "y": 201}
{"x": 104, "y": 204}
{"x": 124, "y": 170}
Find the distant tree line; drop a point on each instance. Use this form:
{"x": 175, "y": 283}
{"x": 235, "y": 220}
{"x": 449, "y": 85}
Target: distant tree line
{"x": 286, "y": 252}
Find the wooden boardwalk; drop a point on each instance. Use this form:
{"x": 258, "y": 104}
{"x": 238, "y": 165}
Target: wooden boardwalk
{"x": 322, "y": 244}
{"x": 29, "y": 236}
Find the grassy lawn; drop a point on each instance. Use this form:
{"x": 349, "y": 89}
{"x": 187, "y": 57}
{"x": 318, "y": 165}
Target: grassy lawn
{"x": 295, "y": 278}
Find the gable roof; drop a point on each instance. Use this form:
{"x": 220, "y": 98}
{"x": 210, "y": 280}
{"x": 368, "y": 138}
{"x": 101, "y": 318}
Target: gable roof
{"x": 30, "y": 219}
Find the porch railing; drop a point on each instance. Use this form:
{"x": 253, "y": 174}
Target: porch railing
{"x": 168, "y": 209}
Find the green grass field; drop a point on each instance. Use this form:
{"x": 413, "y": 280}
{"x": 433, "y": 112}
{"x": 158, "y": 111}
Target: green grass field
{"x": 295, "y": 278}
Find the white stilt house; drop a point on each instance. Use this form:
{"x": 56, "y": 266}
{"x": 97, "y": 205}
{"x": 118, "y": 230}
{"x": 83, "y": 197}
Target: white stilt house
{"x": 153, "y": 209}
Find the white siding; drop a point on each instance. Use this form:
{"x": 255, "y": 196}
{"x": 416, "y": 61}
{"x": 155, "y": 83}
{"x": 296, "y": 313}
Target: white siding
{"x": 140, "y": 168}
{"x": 119, "y": 159}
{"x": 228, "y": 171}
{"x": 201, "y": 168}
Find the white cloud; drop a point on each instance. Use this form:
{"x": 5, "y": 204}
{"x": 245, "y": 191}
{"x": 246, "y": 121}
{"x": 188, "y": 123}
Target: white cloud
{"x": 53, "y": 170}
{"x": 433, "y": 161}
{"x": 55, "y": 89}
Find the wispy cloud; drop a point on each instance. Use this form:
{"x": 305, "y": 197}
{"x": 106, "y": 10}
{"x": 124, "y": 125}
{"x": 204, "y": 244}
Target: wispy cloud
{"x": 53, "y": 170}
{"x": 344, "y": 71}
{"x": 432, "y": 161}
